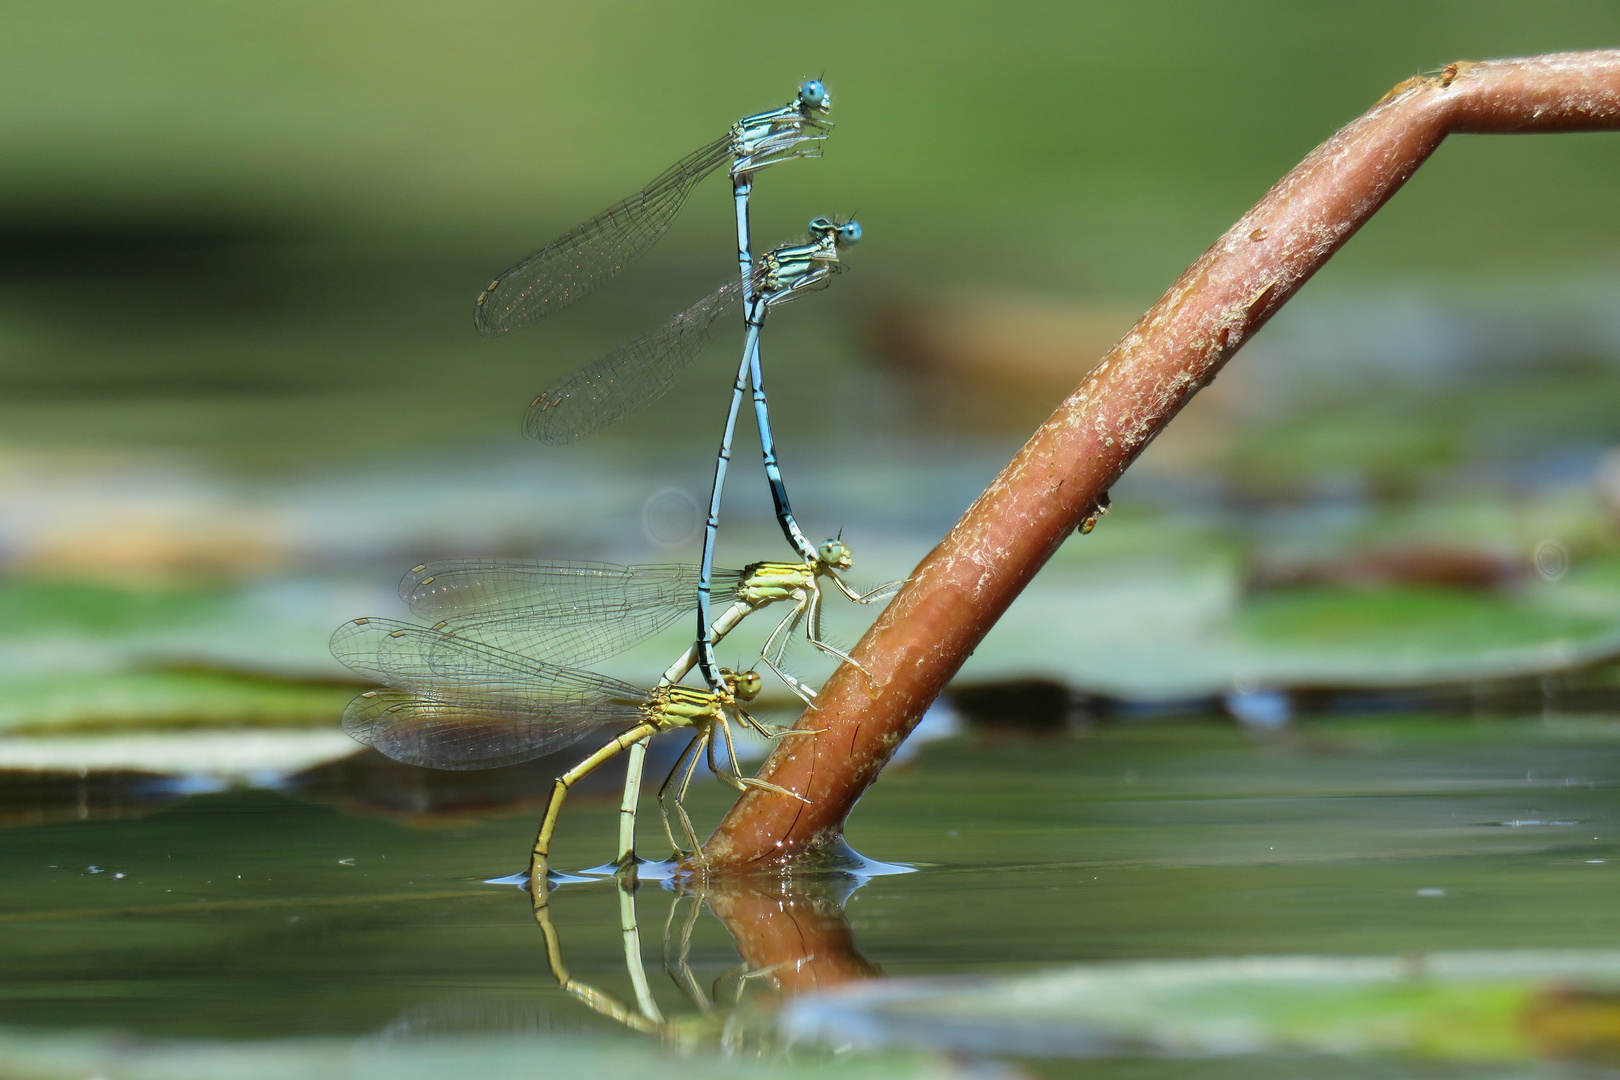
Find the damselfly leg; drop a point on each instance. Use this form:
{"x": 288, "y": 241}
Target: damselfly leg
{"x": 806, "y": 611}
{"x": 685, "y": 765}
{"x": 570, "y": 613}
{"x": 458, "y": 703}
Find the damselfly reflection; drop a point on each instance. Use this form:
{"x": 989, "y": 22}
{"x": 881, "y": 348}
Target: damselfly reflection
{"x": 592, "y": 253}
{"x": 789, "y": 938}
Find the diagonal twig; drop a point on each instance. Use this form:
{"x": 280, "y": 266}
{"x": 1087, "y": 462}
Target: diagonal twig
{"x": 1063, "y": 473}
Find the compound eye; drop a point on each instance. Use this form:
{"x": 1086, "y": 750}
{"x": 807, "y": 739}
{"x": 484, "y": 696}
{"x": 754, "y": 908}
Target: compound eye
{"x": 813, "y": 94}
{"x": 748, "y": 685}
{"x": 849, "y": 233}
{"x": 833, "y": 552}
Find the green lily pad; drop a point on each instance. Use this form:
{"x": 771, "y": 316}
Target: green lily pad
{"x": 1483, "y": 1006}
{"x": 164, "y": 700}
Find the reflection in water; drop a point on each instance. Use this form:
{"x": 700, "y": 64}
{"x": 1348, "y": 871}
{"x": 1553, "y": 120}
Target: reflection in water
{"x": 371, "y": 784}
{"x": 41, "y": 798}
{"x": 792, "y": 937}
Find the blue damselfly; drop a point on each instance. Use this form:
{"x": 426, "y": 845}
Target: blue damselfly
{"x": 785, "y": 270}
{"x": 634, "y": 375}
{"x": 592, "y": 253}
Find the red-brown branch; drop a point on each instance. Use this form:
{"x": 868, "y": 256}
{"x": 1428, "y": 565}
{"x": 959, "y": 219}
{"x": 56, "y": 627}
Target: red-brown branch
{"x": 800, "y": 938}
{"x": 959, "y": 591}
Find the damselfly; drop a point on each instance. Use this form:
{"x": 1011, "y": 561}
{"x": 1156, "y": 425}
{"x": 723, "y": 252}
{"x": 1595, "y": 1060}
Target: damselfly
{"x": 592, "y": 253}
{"x": 807, "y": 266}
{"x": 455, "y": 703}
{"x": 634, "y": 375}
{"x": 576, "y": 613}
{"x": 637, "y": 374}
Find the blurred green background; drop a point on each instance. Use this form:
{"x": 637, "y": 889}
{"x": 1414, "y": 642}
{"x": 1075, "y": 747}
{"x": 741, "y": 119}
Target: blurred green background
{"x": 240, "y": 393}
{"x": 257, "y": 230}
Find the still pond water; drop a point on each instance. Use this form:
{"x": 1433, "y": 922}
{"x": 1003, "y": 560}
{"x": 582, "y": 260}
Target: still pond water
{"x": 260, "y": 917}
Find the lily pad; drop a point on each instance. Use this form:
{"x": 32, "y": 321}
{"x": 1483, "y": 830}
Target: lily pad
{"x": 1476, "y": 1006}
{"x": 123, "y": 701}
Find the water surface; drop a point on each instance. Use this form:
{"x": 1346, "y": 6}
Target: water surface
{"x": 248, "y": 914}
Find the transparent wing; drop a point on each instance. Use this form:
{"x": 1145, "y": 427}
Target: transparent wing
{"x": 577, "y": 613}
{"x": 458, "y": 704}
{"x": 454, "y": 587}
{"x": 589, "y": 255}
{"x": 440, "y": 663}
{"x": 567, "y": 637}
{"x": 627, "y": 379}
{"x": 470, "y": 732}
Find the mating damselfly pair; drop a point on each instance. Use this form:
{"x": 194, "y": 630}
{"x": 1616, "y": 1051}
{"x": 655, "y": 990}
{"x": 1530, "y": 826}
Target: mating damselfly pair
{"x": 496, "y": 677}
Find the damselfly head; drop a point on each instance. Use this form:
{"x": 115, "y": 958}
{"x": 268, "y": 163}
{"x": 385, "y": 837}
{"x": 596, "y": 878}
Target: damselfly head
{"x": 745, "y": 685}
{"x": 814, "y": 96}
{"x": 835, "y": 554}
{"x": 842, "y": 233}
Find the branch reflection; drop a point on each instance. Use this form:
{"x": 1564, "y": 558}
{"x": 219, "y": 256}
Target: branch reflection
{"x": 791, "y": 936}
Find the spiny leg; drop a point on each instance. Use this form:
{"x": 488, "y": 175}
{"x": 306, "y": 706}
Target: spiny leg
{"x": 871, "y": 597}
{"x": 770, "y": 731}
{"x": 680, "y": 802}
{"x": 812, "y": 633}
{"x": 779, "y": 640}
{"x": 559, "y": 791}
{"x": 735, "y": 777}
{"x": 689, "y": 759}
{"x": 745, "y": 976}
{"x": 680, "y": 797}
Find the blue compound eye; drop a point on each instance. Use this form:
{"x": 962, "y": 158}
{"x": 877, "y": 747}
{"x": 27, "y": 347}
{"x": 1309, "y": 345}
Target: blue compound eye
{"x": 849, "y": 233}
{"x": 813, "y": 94}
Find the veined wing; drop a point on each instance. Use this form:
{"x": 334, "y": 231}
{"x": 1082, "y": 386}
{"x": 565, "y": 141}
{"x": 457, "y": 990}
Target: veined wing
{"x": 567, "y": 636}
{"x": 627, "y": 379}
{"x": 458, "y": 704}
{"x": 591, "y": 254}
{"x": 472, "y": 732}
{"x": 593, "y": 616}
{"x": 450, "y": 588}
{"x": 439, "y": 663}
